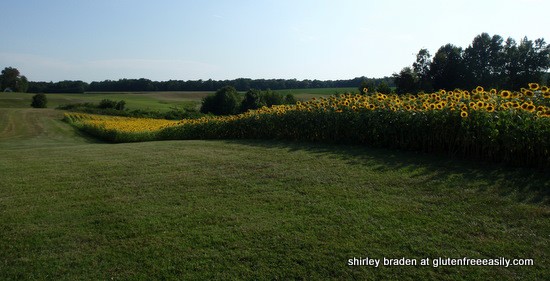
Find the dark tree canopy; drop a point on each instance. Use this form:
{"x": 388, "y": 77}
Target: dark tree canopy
{"x": 39, "y": 101}
{"x": 224, "y": 102}
{"x": 406, "y": 81}
{"x": 490, "y": 61}
{"x": 12, "y": 80}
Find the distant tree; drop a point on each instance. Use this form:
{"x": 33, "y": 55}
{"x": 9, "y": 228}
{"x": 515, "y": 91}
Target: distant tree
{"x": 120, "y": 105}
{"x": 447, "y": 68}
{"x": 107, "y": 103}
{"x": 39, "y": 101}
{"x": 252, "y": 100}
{"x": 11, "y": 79}
{"x": 422, "y": 69}
{"x": 290, "y": 99}
{"x": 406, "y": 81}
{"x": 383, "y": 88}
{"x": 526, "y": 62}
{"x": 367, "y": 84}
{"x": 224, "y": 102}
{"x": 483, "y": 61}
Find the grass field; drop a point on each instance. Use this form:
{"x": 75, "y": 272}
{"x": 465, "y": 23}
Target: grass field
{"x": 73, "y": 208}
{"x": 158, "y": 101}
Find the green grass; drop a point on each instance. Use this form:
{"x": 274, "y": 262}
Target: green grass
{"x": 75, "y": 209}
{"x": 161, "y": 101}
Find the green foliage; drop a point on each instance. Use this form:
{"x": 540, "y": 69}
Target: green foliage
{"x": 491, "y": 62}
{"x": 224, "y": 102}
{"x": 120, "y": 105}
{"x": 406, "y": 81}
{"x": 252, "y": 100}
{"x": 39, "y": 101}
{"x": 516, "y": 139}
{"x": 12, "y": 80}
{"x": 255, "y": 99}
{"x": 107, "y": 103}
{"x": 384, "y": 88}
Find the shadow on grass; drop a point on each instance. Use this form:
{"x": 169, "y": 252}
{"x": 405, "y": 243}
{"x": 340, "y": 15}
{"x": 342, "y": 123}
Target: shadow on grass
{"x": 527, "y": 185}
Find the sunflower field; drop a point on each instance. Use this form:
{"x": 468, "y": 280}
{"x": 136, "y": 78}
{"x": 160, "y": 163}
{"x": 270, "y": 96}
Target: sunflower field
{"x": 501, "y": 126}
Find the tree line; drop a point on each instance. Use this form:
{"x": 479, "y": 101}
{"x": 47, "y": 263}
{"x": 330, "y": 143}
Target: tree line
{"x": 240, "y": 84}
{"x": 490, "y": 61}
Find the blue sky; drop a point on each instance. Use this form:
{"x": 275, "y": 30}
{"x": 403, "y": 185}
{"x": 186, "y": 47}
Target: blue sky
{"x": 92, "y": 40}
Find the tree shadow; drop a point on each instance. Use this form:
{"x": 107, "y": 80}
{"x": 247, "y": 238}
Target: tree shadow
{"x": 527, "y": 185}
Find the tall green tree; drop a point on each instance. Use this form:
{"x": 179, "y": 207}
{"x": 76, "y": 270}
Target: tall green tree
{"x": 406, "y": 81}
{"x": 422, "y": 69}
{"x": 447, "y": 68}
{"x": 526, "y": 62}
{"x": 483, "y": 61}
{"x": 252, "y": 100}
{"x": 11, "y": 79}
{"x": 224, "y": 102}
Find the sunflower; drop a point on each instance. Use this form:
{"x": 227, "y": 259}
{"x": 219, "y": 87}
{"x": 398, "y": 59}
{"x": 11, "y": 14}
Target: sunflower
{"x": 522, "y": 90}
{"x": 544, "y": 89}
{"x": 530, "y": 108}
{"x": 505, "y": 94}
{"x": 490, "y": 108}
{"x": 480, "y": 104}
{"x": 463, "y": 114}
{"x": 533, "y": 86}
{"x": 493, "y": 91}
{"x": 365, "y": 90}
{"x": 528, "y": 93}
{"x": 546, "y": 95}
{"x": 479, "y": 89}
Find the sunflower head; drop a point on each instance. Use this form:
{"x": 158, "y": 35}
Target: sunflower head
{"x": 463, "y": 114}
{"x": 533, "y": 86}
{"x": 506, "y": 94}
{"x": 479, "y": 89}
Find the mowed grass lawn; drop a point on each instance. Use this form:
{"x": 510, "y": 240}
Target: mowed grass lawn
{"x": 72, "y": 208}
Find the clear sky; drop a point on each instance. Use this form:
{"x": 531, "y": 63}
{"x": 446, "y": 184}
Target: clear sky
{"x": 93, "y": 40}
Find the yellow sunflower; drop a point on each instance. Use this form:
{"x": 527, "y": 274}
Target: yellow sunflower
{"x": 533, "y": 86}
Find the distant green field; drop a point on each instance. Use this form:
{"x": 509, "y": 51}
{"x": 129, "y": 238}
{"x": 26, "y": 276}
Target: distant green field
{"x": 74, "y": 208}
{"x": 161, "y": 101}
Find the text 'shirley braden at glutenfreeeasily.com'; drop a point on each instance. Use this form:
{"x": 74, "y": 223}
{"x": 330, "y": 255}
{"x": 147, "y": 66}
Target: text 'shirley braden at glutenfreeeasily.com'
{"x": 439, "y": 261}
